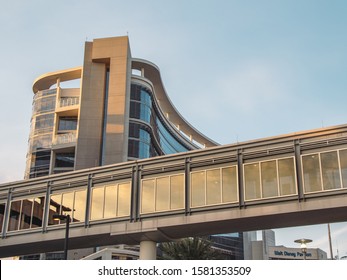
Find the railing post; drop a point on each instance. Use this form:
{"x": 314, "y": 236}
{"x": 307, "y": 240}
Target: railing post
{"x": 187, "y": 186}
{"x": 298, "y": 168}
{"x": 6, "y": 214}
{"x": 240, "y": 178}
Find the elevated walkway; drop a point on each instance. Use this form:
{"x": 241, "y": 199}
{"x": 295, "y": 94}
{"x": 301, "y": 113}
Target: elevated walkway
{"x": 289, "y": 180}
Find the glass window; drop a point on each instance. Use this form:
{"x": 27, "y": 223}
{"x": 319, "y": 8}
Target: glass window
{"x": 111, "y": 197}
{"x": 343, "y": 164}
{"x": 26, "y": 213}
{"x": 148, "y": 196}
{"x": 269, "y": 178}
{"x": 286, "y": 174}
{"x": 330, "y": 170}
{"x": 213, "y": 186}
{"x": 65, "y": 160}
{"x": 97, "y": 205}
{"x": 71, "y": 203}
{"x": 67, "y": 203}
{"x": 67, "y": 123}
{"x": 79, "y": 210}
{"x": 198, "y": 181}
{"x": 54, "y": 208}
{"x": 229, "y": 184}
{"x": 38, "y": 209}
{"x": 124, "y": 196}
{"x": 163, "y": 194}
{"x": 252, "y": 181}
{"x": 177, "y": 192}
{"x": 44, "y": 122}
{"x": 2, "y": 214}
{"x": 110, "y": 201}
{"x": 16, "y": 208}
{"x": 311, "y": 173}
{"x": 43, "y": 104}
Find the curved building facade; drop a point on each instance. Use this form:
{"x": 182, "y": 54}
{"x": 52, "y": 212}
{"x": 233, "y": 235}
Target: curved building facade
{"x": 119, "y": 111}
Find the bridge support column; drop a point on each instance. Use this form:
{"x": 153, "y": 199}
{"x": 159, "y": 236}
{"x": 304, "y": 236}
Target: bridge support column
{"x": 148, "y": 250}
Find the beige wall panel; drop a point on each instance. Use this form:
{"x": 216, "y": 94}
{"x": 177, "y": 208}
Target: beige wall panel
{"x": 110, "y": 47}
{"x": 91, "y": 112}
{"x": 99, "y": 55}
{"x": 116, "y": 141}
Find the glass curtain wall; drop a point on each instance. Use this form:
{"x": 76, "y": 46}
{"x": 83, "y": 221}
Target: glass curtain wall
{"x": 268, "y": 179}
{"x": 26, "y": 213}
{"x": 40, "y": 140}
{"x": 162, "y": 194}
{"x": 325, "y": 171}
{"x": 71, "y": 203}
{"x": 148, "y": 135}
{"x": 110, "y": 201}
{"x": 214, "y": 186}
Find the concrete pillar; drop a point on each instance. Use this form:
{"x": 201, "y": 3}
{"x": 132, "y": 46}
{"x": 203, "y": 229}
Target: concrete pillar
{"x": 148, "y": 250}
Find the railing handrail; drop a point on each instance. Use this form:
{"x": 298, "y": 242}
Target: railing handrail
{"x": 68, "y": 101}
{"x": 65, "y": 138}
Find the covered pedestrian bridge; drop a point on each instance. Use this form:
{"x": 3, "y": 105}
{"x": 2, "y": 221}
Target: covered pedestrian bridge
{"x": 289, "y": 180}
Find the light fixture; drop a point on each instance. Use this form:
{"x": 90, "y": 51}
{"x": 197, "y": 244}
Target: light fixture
{"x": 303, "y": 246}
{"x": 66, "y": 218}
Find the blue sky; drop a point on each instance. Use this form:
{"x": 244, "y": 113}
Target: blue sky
{"x": 263, "y": 68}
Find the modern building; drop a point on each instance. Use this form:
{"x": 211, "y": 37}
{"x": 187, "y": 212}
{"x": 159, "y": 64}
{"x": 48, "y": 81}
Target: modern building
{"x": 122, "y": 137}
{"x": 285, "y": 253}
{"x": 266, "y": 249}
{"x": 234, "y": 246}
{"x": 119, "y": 112}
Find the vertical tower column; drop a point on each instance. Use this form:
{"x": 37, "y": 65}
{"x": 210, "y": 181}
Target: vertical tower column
{"x": 148, "y": 250}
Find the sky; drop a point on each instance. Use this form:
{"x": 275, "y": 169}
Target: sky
{"x": 260, "y": 68}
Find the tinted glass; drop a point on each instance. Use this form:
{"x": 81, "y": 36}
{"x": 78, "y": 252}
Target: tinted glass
{"x": 163, "y": 194}
{"x": 343, "y": 164}
{"x": 124, "y": 196}
{"x": 15, "y": 211}
{"x": 330, "y": 170}
{"x": 229, "y": 184}
{"x": 213, "y": 186}
{"x": 67, "y": 203}
{"x": 286, "y": 174}
{"x": 198, "y": 182}
{"x": 97, "y": 205}
{"x": 79, "y": 210}
{"x": 67, "y": 123}
{"x": 269, "y": 178}
{"x": 311, "y": 172}
{"x": 177, "y": 191}
{"x": 65, "y": 160}
{"x": 148, "y": 196}
{"x": 38, "y": 208}
{"x": 27, "y": 205}
{"x": 252, "y": 181}
{"x": 54, "y": 208}
{"x": 111, "y": 197}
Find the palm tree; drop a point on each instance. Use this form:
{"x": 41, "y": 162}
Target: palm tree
{"x": 192, "y": 248}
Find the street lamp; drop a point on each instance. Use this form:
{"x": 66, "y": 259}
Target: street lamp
{"x": 66, "y": 218}
{"x": 303, "y": 246}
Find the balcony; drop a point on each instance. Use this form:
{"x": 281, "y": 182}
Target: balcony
{"x": 68, "y": 101}
{"x": 64, "y": 140}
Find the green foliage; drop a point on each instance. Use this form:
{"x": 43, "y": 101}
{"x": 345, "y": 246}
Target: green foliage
{"x": 193, "y": 248}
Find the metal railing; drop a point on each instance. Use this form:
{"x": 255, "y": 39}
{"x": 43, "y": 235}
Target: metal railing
{"x": 65, "y": 138}
{"x": 68, "y": 101}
